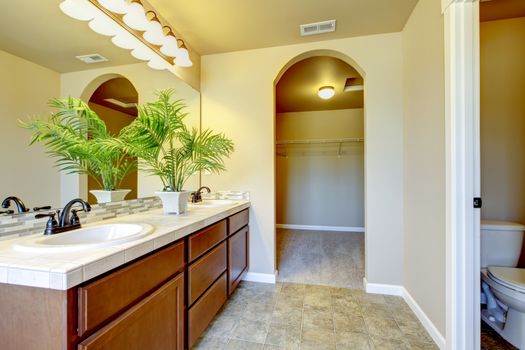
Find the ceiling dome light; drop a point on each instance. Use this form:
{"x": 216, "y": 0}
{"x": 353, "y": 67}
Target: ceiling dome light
{"x": 326, "y": 92}
{"x": 82, "y": 10}
{"x": 116, "y": 6}
{"x": 136, "y": 18}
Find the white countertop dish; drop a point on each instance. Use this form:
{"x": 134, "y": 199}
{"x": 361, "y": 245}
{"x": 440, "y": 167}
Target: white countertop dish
{"x": 62, "y": 270}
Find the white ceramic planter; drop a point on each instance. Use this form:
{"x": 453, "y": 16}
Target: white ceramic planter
{"x": 110, "y": 196}
{"x": 174, "y": 202}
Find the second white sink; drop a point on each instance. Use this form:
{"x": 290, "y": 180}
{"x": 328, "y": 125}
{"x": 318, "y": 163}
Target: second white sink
{"x": 213, "y": 203}
{"x": 85, "y": 238}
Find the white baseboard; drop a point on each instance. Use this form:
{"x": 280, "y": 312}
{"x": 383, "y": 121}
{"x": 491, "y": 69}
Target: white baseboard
{"x": 389, "y": 289}
{"x": 425, "y": 321}
{"x": 386, "y": 289}
{"x": 321, "y": 228}
{"x": 260, "y": 277}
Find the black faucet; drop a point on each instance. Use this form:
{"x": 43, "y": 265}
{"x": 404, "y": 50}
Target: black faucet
{"x": 197, "y": 195}
{"x": 68, "y": 218}
{"x": 20, "y": 206}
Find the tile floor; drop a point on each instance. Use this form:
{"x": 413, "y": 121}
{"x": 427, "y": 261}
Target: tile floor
{"x": 491, "y": 340}
{"x": 320, "y": 257}
{"x": 303, "y": 316}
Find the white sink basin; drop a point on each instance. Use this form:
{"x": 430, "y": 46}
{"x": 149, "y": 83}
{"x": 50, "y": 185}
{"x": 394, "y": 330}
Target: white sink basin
{"x": 85, "y": 238}
{"x": 213, "y": 203}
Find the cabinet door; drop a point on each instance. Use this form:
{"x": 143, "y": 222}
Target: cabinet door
{"x": 237, "y": 258}
{"x": 157, "y": 322}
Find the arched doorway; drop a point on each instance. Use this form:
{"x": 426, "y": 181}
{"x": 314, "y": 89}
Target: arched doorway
{"x": 115, "y": 101}
{"x": 320, "y": 167}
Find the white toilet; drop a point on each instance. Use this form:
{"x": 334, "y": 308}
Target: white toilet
{"x": 500, "y": 247}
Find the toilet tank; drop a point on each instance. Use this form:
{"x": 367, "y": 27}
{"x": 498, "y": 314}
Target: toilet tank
{"x": 501, "y": 243}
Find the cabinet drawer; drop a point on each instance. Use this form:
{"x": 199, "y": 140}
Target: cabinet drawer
{"x": 201, "y": 314}
{"x": 157, "y": 322}
{"x": 238, "y": 246}
{"x": 206, "y": 270}
{"x": 102, "y": 299}
{"x": 237, "y": 221}
{"x": 203, "y": 241}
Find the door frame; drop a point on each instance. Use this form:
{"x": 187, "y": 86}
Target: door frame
{"x": 462, "y": 103}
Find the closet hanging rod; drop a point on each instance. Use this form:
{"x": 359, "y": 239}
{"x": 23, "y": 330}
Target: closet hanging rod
{"x": 303, "y": 142}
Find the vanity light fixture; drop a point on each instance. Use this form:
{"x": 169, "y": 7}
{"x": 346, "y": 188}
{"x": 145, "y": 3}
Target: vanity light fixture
{"x": 326, "y": 92}
{"x": 132, "y": 27}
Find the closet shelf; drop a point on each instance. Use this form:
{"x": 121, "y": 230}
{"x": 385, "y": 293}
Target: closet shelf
{"x": 319, "y": 141}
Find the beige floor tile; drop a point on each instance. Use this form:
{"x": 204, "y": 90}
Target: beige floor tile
{"x": 383, "y": 328}
{"x": 418, "y": 345}
{"x": 222, "y": 326}
{"x": 388, "y": 344}
{"x": 319, "y": 300}
{"x": 236, "y": 344}
{"x": 413, "y": 330}
{"x": 251, "y": 331}
{"x": 284, "y": 314}
{"x": 352, "y": 341}
{"x": 349, "y": 323}
{"x": 318, "y": 318}
{"x": 284, "y": 335}
{"x": 211, "y": 343}
{"x": 314, "y": 335}
{"x": 377, "y": 310}
{"x": 295, "y": 300}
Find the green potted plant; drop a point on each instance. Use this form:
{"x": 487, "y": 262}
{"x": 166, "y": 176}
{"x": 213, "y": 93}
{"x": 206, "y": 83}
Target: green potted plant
{"x": 80, "y": 141}
{"x": 167, "y": 148}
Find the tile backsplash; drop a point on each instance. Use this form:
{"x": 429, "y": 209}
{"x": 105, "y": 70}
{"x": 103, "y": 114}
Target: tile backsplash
{"x": 25, "y": 224}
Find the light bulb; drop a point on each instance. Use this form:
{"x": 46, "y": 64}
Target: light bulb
{"x": 170, "y": 46}
{"x": 116, "y": 6}
{"x": 326, "y": 92}
{"x": 82, "y": 10}
{"x": 154, "y": 33}
{"x": 104, "y": 25}
{"x": 182, "y": 58}
{"x": 136, "y": 18}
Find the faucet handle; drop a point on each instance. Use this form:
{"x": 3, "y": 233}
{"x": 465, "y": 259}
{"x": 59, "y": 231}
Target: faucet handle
{"x": 75, "y": 220}
{"x": 47, "y": 207}
{"x": 51, "y": 223}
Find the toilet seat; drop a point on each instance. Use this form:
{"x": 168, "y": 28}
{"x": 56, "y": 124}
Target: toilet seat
{"x": 510, "y": 277}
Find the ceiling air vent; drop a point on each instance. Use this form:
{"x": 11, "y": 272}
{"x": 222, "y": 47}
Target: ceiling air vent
{"x": 317, "y": 28}
{"x": 93, "y": 58}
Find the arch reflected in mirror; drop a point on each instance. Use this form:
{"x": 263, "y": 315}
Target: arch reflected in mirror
{"x": 115, "y": 102}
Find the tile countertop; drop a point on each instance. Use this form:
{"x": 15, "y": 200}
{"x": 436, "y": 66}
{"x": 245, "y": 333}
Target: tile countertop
{"x": 62, "y": 271}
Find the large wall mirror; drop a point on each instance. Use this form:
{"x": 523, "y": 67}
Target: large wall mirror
{"x": 39, "y": 46}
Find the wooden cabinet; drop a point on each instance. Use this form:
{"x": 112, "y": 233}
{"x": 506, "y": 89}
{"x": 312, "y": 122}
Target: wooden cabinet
{"x": 156, "y": 322}
{"x": 203, "y": 311}
{"x": 238, "y": 246}
{"x": 105, "y": 297}
{"x": 205, "y": 271}
{"x": 163, "y": 300}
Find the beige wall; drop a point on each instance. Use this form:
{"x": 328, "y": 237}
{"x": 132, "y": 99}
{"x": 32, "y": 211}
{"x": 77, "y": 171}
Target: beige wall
{"x": 147, "y": 82}
{"x": 424, "y": 149}
{"x": 238, "y": 98}
{"x": 503, "y": 119}
{"x": 27, "y": 172}
{"x": 313, "y": 185}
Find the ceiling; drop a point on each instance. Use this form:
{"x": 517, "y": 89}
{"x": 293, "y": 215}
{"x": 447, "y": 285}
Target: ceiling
{"x": 231, "y": 25}
{"x": 491, "y": 10}
{"x": 119, "y": 89}
{"x": 297, "y": 89}
{"x": 39, "y": 32}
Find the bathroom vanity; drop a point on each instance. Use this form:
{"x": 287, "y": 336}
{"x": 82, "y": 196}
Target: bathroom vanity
{"x": 161, "y": 295}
